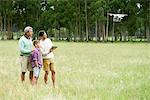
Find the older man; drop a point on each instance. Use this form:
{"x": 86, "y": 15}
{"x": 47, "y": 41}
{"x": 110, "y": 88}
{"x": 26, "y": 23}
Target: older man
{"x": 25, "y": 46}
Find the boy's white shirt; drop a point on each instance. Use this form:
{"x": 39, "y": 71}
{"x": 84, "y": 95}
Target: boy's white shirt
{"x": 46, "y": 45}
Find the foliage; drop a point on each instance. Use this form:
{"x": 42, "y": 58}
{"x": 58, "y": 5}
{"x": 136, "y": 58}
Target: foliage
{"x": 70, "y": 14}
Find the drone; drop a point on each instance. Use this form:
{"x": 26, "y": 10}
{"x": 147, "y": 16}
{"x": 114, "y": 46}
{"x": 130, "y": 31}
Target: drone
{"x": 117, "y": 17}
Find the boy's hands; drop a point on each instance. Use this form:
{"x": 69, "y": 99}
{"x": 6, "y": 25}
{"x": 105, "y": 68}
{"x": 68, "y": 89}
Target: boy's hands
{"x": 36, "y": 63}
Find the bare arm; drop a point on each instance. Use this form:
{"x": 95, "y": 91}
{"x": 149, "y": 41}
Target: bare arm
{"x": 45, "y": 53}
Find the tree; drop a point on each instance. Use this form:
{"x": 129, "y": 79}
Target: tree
{"x": 81, "y": 19}
{"x": 86, "y": 22}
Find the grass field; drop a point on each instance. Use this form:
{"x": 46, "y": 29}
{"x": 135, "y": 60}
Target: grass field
{"x": 85, "y": 71}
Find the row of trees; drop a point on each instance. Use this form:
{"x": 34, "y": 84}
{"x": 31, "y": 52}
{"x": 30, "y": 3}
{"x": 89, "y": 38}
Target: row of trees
{"x": 78, "y": 20}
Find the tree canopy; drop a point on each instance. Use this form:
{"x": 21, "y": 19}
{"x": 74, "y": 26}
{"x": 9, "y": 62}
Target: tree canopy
{"x": 77, "y": 20}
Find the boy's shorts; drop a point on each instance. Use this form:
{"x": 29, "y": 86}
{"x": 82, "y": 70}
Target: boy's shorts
{"x": 48, "y": 65}
{"x": 25, "y": 64}
{"x": 36, "y": 71}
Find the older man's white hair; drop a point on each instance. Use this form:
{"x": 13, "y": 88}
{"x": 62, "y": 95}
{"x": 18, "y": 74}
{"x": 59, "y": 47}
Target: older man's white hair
{"x": 27, "y": 29}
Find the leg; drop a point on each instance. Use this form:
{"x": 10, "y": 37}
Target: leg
{"x": 53, "y": 75}
{"x": 46, "y": 63}
{"x": 23, "y": 76}
{"x": 34, "y": 80}
{"x": 31, "y": 76}
{"x": 23, "y": 61}
{"x": 30, "y": 69}
{"x": 46, "y": 77}
{"x": 36, "y": 72}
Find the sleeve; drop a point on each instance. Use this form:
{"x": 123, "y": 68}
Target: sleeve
{"x": 34, "y": 55}
{"x": 21, "y": 47}
{"x": 50, "y": 42}
{"x": 44, "y": 53}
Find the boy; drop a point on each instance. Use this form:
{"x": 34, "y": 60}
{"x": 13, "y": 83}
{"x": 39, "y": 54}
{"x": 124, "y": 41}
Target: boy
{"x": 36, "y": 61}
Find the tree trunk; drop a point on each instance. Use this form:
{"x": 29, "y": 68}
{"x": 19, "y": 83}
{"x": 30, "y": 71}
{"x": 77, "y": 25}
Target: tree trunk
{"x": 103, "y": 32}
{"x": 11, "y": 28}
{"x": 69, "y": 36}
{"x": 55, "y": 34}
{"x": 75, "y": 32}
{"x": 99, "y": 31}
{"x": 107, "y": 27}
{"x": 79, "y": 32}
{"x": 59, "y": 34}
{"x": 96, "y": 30}
{"x": 113, "y": 33}
{"x": 146, "y": 7}
{"x": 1, "y": 23}
{"x": 76, "y": 24}
{"x": 86, "y": 21}
{"x": 4, "y": 30}
{"x": 147, "y": 26}
{"x": 8, "y": 30}
{"x": 82, "y": 32}
{"x": 120, "y": 35}
{"x": 125, "y": 38}
{"x": 147, "y": 33}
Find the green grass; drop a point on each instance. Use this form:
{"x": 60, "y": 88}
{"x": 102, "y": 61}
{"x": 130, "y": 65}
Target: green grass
{"x": 85, "y": 71}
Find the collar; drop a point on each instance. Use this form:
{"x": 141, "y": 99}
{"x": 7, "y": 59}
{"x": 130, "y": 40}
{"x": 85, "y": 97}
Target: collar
{"x": 37, "y": 49}
{"x": 26, "y": 36}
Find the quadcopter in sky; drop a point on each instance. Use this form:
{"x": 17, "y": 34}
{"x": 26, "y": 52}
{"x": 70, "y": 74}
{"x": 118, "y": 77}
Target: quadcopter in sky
{"x": 117, "y": 17}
